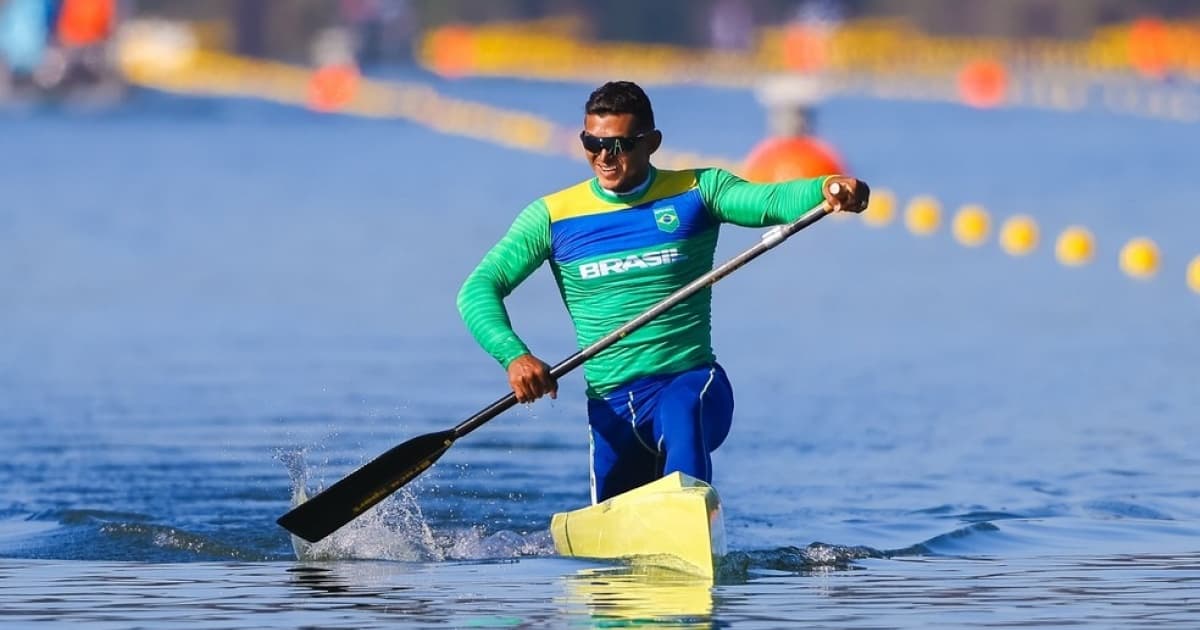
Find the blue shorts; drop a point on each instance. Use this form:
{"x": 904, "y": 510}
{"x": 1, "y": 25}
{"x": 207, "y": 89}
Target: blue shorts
{"x": 657, "y": 425}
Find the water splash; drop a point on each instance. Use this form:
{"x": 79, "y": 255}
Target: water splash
{"x": 474, "y": 543}
{"x": 396, "y": 529}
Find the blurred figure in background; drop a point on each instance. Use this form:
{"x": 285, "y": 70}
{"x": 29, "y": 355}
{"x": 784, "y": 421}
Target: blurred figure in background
{"x": 827, "y": 13}
{"x": 381, "y": 29}
{"x": 84, "y": 29}
{"x": 58, "y": 49}
{"x": 24, "y": 37}
{"x": 365, "y": 20}
{"x": 731, "y": 25}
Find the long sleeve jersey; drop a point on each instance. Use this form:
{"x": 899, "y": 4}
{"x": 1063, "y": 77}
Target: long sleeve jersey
{"x": 615, "y": 256}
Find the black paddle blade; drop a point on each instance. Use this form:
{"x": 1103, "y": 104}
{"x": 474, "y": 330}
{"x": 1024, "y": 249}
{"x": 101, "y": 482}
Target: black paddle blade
{"x": 345, "y": 500}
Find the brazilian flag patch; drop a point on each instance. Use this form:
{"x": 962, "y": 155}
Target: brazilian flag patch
{"x": 666, "y": 219}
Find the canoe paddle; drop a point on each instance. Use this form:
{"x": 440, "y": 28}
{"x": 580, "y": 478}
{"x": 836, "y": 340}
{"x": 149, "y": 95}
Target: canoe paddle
{"x": 345, "y": 500}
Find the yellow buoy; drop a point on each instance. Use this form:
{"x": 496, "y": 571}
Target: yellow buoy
{"x": 972, "y": 225}
{"x": 881, "y": 210}
{"x": 923, "y": 216}
{"x": 1076, "y": 246}
{"x": 1193, "y": 274}
{"x": 1139, "y": 258}
{"x": 1019, "y": 235}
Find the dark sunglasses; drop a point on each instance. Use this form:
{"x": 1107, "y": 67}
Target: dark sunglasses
{"x": 614, "y": 145}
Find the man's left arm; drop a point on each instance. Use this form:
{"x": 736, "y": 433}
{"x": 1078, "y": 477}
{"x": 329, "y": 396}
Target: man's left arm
{"x": 735, "y": 200}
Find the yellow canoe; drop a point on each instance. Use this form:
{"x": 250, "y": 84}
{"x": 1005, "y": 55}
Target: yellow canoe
{"x": 674, "y": 523}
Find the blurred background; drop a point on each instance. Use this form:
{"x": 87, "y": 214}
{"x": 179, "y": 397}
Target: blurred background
{"x": 52, "y": 47}
{"x": 410, "y": 60}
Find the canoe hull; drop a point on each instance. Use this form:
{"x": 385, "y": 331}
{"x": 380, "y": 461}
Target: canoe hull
{"x": 674, "y": 523}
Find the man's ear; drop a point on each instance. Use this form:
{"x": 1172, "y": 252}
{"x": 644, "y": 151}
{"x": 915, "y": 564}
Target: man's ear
{"x": 654, "y": 138}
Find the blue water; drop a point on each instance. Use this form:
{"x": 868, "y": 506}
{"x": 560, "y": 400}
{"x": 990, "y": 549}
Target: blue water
{"x": 194, "y": 293}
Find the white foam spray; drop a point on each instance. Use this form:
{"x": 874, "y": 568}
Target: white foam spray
{"x": 396, "y": 529}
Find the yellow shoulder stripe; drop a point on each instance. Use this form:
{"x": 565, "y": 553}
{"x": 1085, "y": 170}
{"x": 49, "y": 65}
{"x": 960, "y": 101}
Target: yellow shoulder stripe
{"x": 669, "y": 184}
{"x": 579, "y": 200}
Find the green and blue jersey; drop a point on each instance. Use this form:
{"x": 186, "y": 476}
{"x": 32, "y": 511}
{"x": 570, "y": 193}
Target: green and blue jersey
{"x": 615, "y": 256}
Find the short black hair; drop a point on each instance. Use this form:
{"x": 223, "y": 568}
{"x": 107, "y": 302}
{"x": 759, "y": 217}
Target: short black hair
{"x": 622, "y": 97}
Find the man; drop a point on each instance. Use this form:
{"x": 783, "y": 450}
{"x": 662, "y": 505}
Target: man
{"x": 658, "y": 402}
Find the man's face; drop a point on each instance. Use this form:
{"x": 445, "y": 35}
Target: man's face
{"x": 621, "y": 170}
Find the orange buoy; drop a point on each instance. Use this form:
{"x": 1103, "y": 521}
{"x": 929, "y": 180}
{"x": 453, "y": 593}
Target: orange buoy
{"x": 451, "y": 50}
{"x": 779, "y": 159}
{"x": 1149, "y": 52}
{"x": 332, "y": 87}
{"x": 983, "y": 83}
{"x": 805, "y": 48}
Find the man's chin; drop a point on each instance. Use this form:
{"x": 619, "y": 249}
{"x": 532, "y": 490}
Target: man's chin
{"x": 610, "y": 182}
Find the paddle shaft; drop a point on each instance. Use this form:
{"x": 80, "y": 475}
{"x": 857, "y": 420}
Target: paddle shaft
{"x": 770, "y": 239}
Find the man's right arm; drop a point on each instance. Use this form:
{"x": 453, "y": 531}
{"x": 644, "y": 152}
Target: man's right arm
{"x": 519, "y": 253}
